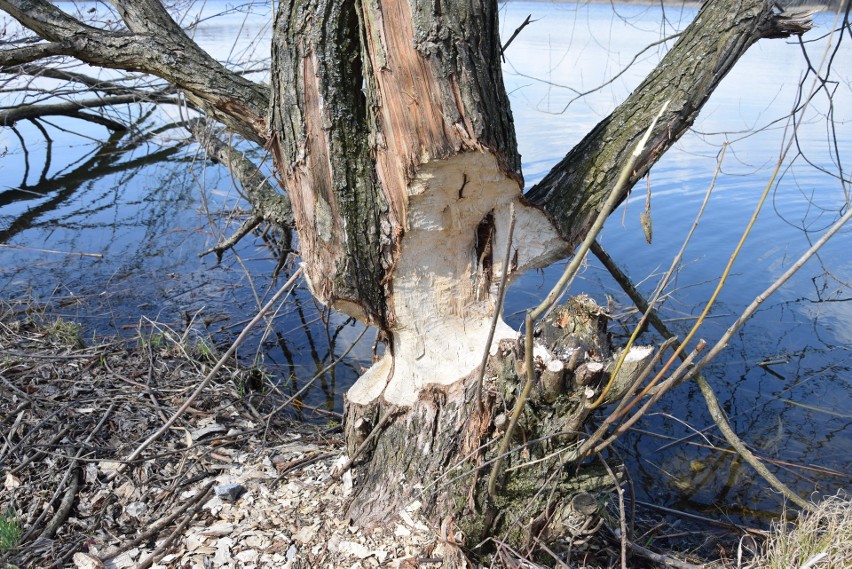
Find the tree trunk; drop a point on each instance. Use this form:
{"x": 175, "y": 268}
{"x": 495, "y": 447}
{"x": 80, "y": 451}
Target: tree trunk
{"x": 437, "y": 451}
{"x": 395, "y": 141}
{"x": 392, "y": 131}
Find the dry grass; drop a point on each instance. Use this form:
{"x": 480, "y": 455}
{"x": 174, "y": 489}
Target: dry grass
{"x": 817, "y": 540}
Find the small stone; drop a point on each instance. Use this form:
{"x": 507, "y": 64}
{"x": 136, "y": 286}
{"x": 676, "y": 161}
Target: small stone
{"x": 291, "y": 552}
{"x": 230, "y": 492}
{"x": 584, "y": 503}
{"x": 136, "y": 509}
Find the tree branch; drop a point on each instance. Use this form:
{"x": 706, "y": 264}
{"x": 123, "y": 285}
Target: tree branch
{"x": 92, "y": 83}
{"x": 30, "y": 53}
{"x": 227, "y": 97}
{"x": 573, "y": 191}
{"x": 147, "y": 16}
{"x": 72, "y": 109}
{"x": 268, "y": 204}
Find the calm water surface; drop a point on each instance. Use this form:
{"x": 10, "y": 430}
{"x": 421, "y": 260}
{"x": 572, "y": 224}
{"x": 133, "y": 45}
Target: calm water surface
{"x": 139, "y": 204}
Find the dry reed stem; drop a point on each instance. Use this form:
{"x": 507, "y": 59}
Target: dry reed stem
{"x": 821, "y": 538}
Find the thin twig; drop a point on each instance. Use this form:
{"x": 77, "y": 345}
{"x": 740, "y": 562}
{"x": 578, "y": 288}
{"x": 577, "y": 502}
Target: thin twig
{"x": 622, "y": 518}
{"x": 261, "y": 313}
{"x": 71, "y": 253}
{"x": 148, "y": 561}
{"x": 557, "y": 291}
{"x": 64, "y": 507}
{"x": 73, "y": 476}
{"x": 676, "y": 378}
{"x": 158, "y": 526}
{"x": 526, "y": 23}
{"x": 247, "y": 227}
{"x": 389, "y": 415}
{"x": 498, "y": 310}
{"x": 647, "y": 308}
{"x": 519, "y": 406}
{"x": 311, "y": 381}
{"x": 598, "y": 224}
{"x": 664, "y": 560}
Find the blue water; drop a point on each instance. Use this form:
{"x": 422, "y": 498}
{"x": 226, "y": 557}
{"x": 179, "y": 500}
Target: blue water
{"x": 150, "y": 217}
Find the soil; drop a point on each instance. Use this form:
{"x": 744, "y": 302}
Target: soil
{"x": 231, "y": 484}
{"x": 71, "y": 414}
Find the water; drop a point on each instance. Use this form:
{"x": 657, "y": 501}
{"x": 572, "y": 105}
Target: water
{"x": 139, "y": 205}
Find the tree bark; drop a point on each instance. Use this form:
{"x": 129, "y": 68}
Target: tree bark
{"x": 391, "y": 130}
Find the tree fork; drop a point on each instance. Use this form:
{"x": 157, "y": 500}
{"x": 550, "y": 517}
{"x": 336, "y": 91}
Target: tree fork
{"x": 392, "y": 133}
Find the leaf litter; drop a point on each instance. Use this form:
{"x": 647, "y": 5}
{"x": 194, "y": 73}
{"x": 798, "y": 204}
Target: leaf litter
{"x": 223, "y": 488}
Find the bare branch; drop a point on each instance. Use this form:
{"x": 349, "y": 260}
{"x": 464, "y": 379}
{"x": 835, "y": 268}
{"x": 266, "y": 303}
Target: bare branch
{"x": 226, "y": 96}
{"x": 92, "y": 83}
{"x": 247, "y": 227}
{"x": 576, "y": 187}
{"x": 72, "y": 109}
{"x": 520, "y": 28}
{"x": 268, "y": 204}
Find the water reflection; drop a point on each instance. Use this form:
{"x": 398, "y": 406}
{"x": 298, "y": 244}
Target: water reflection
{"x": 123, "y": 152}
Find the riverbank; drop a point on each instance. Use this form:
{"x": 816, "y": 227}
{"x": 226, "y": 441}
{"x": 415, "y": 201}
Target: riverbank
{"x": 230, "y": 484}
{"x": 226, "y": 486}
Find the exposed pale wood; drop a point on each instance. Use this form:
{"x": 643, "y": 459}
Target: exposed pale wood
{"x": 444, "y": 297}
{"x": 442, "y": 439}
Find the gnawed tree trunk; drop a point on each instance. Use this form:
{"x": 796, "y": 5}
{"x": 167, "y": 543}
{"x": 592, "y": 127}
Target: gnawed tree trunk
{"x": 401, "y": 164}
{"x": 393, "y": 134}
{"x": 437, "y": 450}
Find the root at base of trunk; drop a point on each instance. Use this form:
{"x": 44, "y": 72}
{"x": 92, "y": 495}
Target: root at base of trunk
{"x": 439, "y": 451}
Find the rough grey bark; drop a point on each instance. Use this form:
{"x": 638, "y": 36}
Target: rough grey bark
{"x": 363, "y": 94}
{"x": 392, "y": 133}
